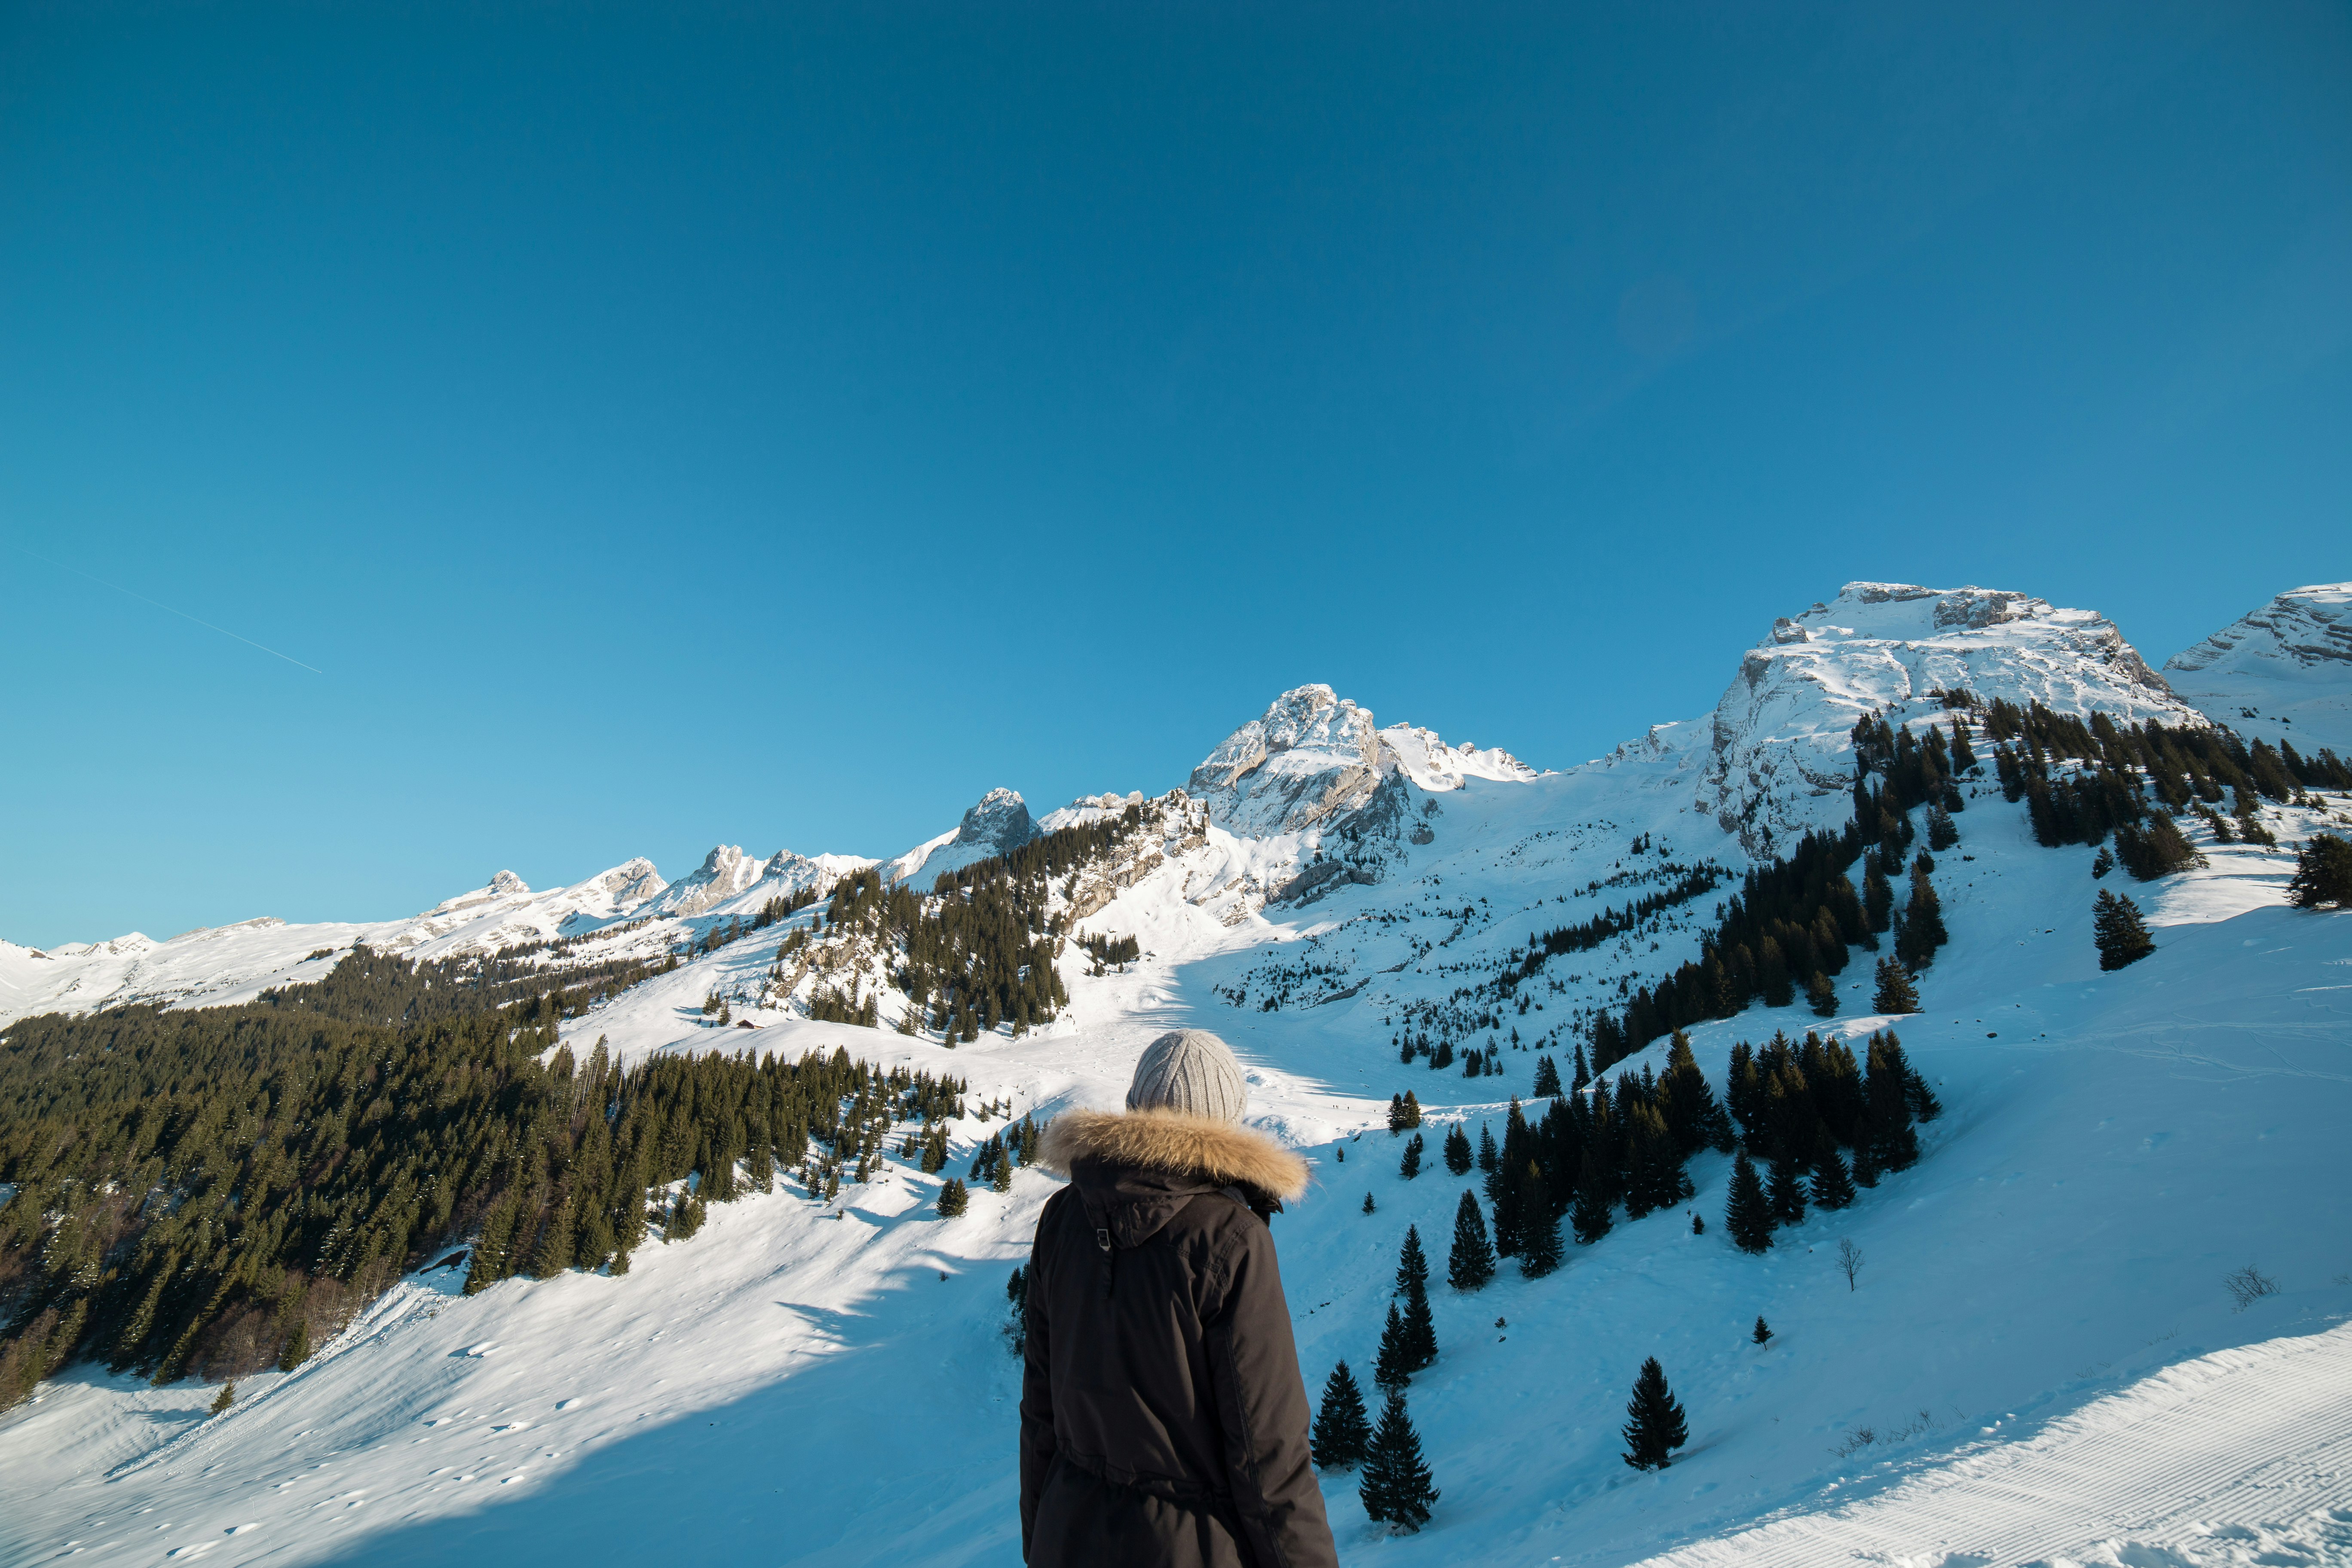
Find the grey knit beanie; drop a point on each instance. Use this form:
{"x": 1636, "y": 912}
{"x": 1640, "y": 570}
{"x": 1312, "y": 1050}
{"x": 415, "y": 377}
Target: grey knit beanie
{"x": 1190, "y": 1070}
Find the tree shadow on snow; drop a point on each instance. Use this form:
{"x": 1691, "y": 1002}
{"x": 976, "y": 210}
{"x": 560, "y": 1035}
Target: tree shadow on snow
{"x": 896, "y": 1439}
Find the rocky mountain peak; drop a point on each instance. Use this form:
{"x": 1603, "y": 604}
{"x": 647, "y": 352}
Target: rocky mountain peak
{"x": 998, "y": 822}
{"x": 1310, "y": 755}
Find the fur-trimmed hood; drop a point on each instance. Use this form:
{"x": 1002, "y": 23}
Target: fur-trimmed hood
{"x": 1220, "y": 1152}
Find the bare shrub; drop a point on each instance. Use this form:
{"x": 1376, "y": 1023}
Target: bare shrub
{"x": 2248, "y": 1285}
{"x": 1856, "y": 1441}
{"x": 1849, "y": 1262}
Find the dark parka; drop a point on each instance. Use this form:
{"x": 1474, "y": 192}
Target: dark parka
{"x": 1162, "y": 1417}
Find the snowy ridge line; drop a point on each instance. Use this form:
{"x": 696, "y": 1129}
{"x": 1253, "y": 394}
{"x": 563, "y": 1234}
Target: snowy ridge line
{"x": 2213, "y": 1451}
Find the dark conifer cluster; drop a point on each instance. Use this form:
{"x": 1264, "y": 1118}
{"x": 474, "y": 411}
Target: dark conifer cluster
{"x": 973, "y": 957}
{"x": 214, "y": 1190}
{"x": 1108, "y": 950}
{"x": 2119, "y": 933}
{"x": 1799, "y": 1107}
{"x": 2323, "y": 874}
{"x": 2083, "y": 781}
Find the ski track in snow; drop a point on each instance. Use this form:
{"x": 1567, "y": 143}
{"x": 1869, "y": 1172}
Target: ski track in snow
{"x": 2039, "y": 1336}
{"x": 2243, "y": 1456}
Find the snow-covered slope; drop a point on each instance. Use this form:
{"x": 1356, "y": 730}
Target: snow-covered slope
{"x": 2039, "y": 1344}
{"x": 2282, "y": 673}
{"x": 2042, "y": 1286}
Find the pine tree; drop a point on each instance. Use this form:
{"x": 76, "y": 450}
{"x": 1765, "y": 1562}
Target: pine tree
{"x": 1866, "y": 1162}
{"x": 1942, "y": 832}
{"x": 1000, "y": 1179}
{"x": 1510, "y": 1201}
{"x": 1590, "y": 1216}
{"x": 1698, "y": 1225}
{"x": 1457, "y": 1151}
{"x": 1409, "y": 1166}
{"x": 1787, "y": 1193}
{"x": 2323, "y": 874}
{"x": 554, "y": 1242}
{"x": 1369, "y": 1204}
{"x": 1896, "y": 992}
{"x": 1821, "y": 995}
{"x": 297, "y": 1347}
{"x": 1583, "y": 1074}
{"x": 1546, "y": 1076}
{"x": 1471, "y": 1263}
{"x": 1746, "y": 1215}
{"x": 1343, "y": 1431}
{"x": 954, "y": 1198}
{"x": 1540, "y": 1249}
{"x": 1411, "y": 1110}
{"x": 2103, "y": 864}
{"x": 1886, "y": 1087}
{"x": 1396, "y": 1114}
{"x": 1398, "y": 1488}
{"x": 1923, "y": 924}
{"x": 225, "y": 1398}
{"x": 1412, "y": 1264}
{"x": 2122, "y": 936}
{"x": 1488, "y": 1158}
{"x": 1763, "y": 1334}
{"x": 1833, "y": 1184}
{"x": 1655, "y": 1428}
{"x": 1392, "y": 1367}
{"x": 1420, "y": 1327}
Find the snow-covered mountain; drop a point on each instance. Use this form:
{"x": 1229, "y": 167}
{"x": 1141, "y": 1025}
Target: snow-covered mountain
{"x": 2282, "y": 673}
{"x": 218, "y": 964}
{"x": 732, "y": 882}
{"x": 996, "y": 824}
{"x": 2039, "y": 1361}
{"x": 1779, "y": 757}
{"x": 1314, "y": 755}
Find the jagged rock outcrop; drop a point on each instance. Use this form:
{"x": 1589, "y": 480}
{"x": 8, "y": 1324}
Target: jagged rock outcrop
{"x": 724, "y": 873}
{"x": 2282, "y": 673}
{"x": 630, "y": 883}
{"x": 1780, "y": 755}
{"x": 1315, "y": 756}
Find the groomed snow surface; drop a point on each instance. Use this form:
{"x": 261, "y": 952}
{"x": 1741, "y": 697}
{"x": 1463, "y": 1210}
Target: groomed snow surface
{"x": 2041, "y": 1343}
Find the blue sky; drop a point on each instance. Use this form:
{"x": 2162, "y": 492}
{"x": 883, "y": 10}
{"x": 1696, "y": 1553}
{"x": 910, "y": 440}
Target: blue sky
{"x": 660, "y": 426}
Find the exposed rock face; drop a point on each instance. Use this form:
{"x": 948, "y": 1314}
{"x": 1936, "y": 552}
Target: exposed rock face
{"x": 998, "y": 822}
{"x": 631, "y": 882}
{"x": 2282, "y": 673}
{"x": 1312, "y": 755}
{"x": 1780, "y": 758}
{"x": 1315, "y": 756}
{"x": 725, "y": 872}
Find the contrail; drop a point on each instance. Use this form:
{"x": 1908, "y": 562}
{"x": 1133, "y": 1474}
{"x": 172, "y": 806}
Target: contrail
{"x": 161, "y": 605}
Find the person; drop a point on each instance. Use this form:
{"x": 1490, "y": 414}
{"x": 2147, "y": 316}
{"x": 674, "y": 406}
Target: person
{"x": 1164, "y": 1421}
